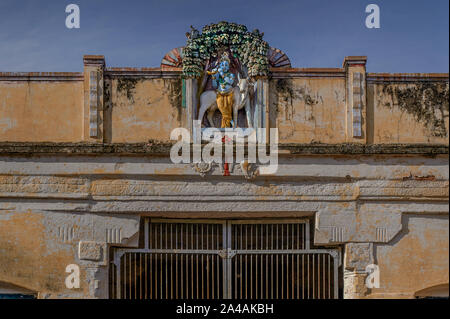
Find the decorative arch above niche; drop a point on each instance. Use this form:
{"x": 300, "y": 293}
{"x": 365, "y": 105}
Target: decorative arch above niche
{"x": 250, "y": 60}
{"x": 173, "y": 59}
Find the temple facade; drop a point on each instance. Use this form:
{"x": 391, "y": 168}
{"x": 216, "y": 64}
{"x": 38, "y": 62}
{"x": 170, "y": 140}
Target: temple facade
{"x": 92, "y": 204}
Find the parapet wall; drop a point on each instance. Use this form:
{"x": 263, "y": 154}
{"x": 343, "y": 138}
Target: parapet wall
{"x": 306, "y": 105}
{"x": 37, "y": 107}
{"x": 408, "y": 108}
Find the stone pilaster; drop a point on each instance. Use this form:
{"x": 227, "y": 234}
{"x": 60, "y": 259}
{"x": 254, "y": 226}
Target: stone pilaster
{"x": 94, "y": 66}
{"x": 357, "y": 257}
{"x": 355, "y": 68}
{"x": 93, "y": 254}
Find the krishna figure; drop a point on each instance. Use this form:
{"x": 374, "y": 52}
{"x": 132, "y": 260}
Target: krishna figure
{"x": 222, "y": 81}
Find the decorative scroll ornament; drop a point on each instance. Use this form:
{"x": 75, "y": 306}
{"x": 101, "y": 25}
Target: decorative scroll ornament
{"x": 249, "y": 170}
{"x": 203, "y": 168}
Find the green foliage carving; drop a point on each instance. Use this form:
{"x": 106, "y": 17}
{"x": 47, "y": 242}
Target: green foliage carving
{"x": 248, "y": 47}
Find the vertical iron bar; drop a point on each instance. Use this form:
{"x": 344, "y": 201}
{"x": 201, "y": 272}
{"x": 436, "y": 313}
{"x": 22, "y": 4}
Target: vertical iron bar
{"x": 256, "y": 261}
{"x": 218, "y": 261}
{"x": 261, "y": 263}
{"x": 251, "y": 263}
{"x": 140, "y": 276}
{"x": 171, "y": 262}
{"x": 267, "y": 261}
{"x": 196, "y": 258}
{"x": 246, "y": 262}
{"x": 146, "y": 233}
{"x": 192, "y": 262}
{"x": 207, "y": 262}
{"x": 225, "y": 260}
{"x": 166, "y": 259}
{"x": 228, "y": 261}
{"x": 146, "y": 277}
{"x": 119, "y": 278}
{"x": 313, "y": 277}
{"x": 303, "y": 276}
{"x": 323, "y": 276}
{"x": 329, "y": 277}
{"x": 298, "y": 267}
{"x": 271, "y": 262}
{"x": 307, "y": 235}
{"x": 240, "y": 261}
{"x": 335, "y": 272}
{"x": 182, "y": 266}
{"x": 151, "y": 276}
{"x": 308, "y": 274}
{"x": 212, "y": 261}
{"x": 176, "y": 261}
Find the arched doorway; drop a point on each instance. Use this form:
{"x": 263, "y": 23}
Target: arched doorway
{"x": 9, "y": 291}
{"x": 434, "y": 292}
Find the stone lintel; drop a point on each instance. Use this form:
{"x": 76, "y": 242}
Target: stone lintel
{"x": 334, "y": 226}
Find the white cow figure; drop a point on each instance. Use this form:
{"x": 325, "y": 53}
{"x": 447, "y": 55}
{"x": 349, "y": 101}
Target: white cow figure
{"x": 240, "y": 96}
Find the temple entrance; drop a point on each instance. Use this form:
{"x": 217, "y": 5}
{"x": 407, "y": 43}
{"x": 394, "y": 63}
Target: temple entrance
{"x": 224, "y": 259}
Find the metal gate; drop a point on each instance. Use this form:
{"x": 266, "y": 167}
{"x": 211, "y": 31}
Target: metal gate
{"x": 225, "y": 259}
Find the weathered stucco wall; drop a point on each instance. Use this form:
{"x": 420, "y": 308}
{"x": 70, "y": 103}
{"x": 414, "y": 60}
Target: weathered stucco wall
{"x": 405, "y": 110}
{"x": 308, "y": 110}
{"x": 416, "y": 259}
{"x": 31, "y": 257}
{"x": 51, "y": 205}
{"x": 307, "y": 106}
{"x": 39, "y": 110}
{"x": 68, "y": 203}
{"x": 143, "y": 109}
{"x": 36, "y": 246}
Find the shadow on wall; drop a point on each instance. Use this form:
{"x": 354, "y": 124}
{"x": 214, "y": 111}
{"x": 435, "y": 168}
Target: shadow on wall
{"x": 435, "y": 292}
{"x": 9, "y": 291}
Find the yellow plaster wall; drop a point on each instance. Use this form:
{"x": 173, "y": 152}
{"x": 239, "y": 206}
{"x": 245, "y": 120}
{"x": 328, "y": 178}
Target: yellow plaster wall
{"x": 308, "y": 110}
{"x": 389, "y": 123}
{"x": 38, "y": 111}
{"x": 150, "y": 110}
{"x": 416, "y": 259}
{"x": 31, "y": 257}
{"x": 305, "y": 109}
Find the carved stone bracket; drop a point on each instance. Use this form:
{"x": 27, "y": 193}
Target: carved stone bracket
{"x": 204, "y": 168}
{"x": 92, "y": 251}
{"x": 249, "y": 170}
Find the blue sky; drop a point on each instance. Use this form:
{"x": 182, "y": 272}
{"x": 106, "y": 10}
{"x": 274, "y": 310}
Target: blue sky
{"x": 413, "y": 37}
